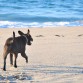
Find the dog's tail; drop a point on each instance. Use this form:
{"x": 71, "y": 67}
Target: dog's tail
{"x": 13, "y": 36}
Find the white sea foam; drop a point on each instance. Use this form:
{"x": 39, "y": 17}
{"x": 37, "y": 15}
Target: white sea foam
{"x": 9, "y": 24}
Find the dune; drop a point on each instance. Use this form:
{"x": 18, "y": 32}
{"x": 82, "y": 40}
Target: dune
{"x": 55, "y": 56}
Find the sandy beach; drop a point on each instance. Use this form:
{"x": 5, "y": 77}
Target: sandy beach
{"x": 55, "y": 56}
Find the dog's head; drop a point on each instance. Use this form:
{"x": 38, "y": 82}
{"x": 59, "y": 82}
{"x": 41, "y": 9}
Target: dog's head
{"x": 28, "y": 37}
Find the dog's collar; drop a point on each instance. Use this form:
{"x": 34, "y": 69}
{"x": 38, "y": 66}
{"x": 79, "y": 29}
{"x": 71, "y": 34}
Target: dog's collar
{"x": 26, "y": 38}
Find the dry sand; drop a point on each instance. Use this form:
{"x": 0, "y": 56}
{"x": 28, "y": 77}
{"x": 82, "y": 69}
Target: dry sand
{"x": 55, "y": 56}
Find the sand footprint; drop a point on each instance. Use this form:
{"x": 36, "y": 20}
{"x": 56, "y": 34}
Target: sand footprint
{"x": 39, "y": 36}
{"x": 59, "y": 35}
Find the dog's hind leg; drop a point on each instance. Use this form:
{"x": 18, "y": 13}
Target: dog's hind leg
{"x": 15, "y": 64}
{"x": 11, "y": 59}
{"x": 24, "y": 56}
{"x": 5, "y": 56}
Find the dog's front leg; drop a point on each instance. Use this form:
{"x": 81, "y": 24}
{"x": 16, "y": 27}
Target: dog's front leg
{"x": 23, "y": 54}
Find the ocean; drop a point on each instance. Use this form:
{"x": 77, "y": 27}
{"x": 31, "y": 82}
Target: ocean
{"x": 40, "y": 13}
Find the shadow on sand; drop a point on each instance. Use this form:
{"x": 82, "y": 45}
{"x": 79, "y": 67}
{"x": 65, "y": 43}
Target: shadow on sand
{"x": 31, "y": 71}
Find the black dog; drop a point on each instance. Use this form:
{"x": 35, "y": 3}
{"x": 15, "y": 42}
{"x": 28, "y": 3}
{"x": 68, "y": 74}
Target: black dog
{"x": 15, "y": 45}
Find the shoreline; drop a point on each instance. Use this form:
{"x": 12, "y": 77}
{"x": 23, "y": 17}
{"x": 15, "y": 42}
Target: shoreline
{"x": 13, "y": 24}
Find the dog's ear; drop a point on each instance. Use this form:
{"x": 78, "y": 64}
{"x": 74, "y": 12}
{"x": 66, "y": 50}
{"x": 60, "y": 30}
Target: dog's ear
{"x": 28, "y": 32}
{"x": 20, "y": 33}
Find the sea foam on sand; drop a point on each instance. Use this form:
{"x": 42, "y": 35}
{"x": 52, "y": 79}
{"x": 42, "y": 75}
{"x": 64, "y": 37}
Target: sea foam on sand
{"x": 55, "y": 56}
